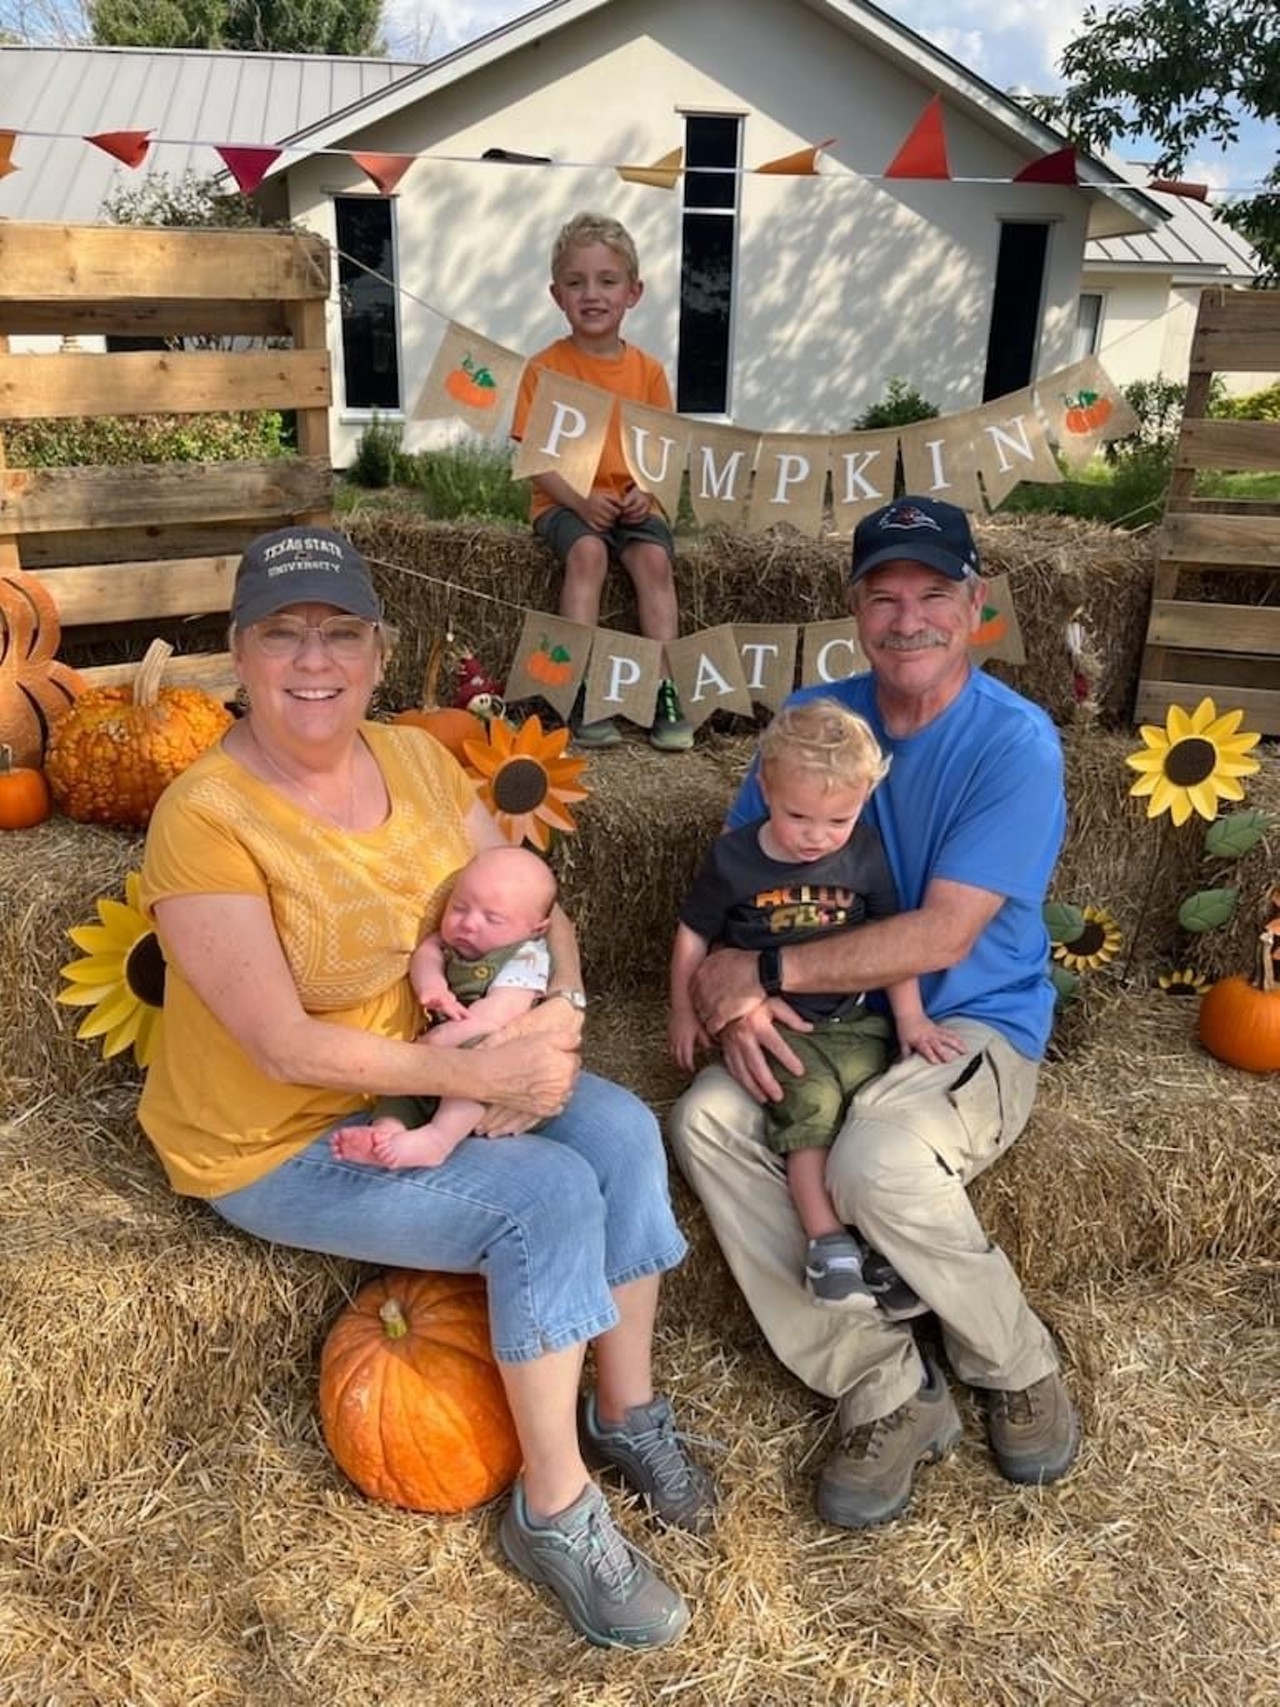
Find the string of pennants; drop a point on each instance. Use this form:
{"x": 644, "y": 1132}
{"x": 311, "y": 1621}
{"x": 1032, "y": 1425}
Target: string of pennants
{"x": 922, "y": 154}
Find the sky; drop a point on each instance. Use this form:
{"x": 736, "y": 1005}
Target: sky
{"x": 1010, "y": 43}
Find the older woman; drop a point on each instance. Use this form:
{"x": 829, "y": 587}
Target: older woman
{"x": 290, "y": 872}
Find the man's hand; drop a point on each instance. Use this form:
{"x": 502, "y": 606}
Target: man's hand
{"x": 725, "y": 987}
{"x": 748, "y": 1043}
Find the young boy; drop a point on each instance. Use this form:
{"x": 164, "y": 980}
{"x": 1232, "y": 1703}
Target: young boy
{"x": 595, "y": 279}
{"x": 808, "y": 869}
{"x": 487, "y": 964}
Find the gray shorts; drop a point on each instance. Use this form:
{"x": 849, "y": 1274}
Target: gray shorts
{"x": 562, "y": 529}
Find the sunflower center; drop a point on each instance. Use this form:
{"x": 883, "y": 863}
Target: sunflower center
{"x": 1091, "y": 939}
{"x": 521, "y": 785}
{"x": 1190, "y": 761}
{"x": 144, "y": 970}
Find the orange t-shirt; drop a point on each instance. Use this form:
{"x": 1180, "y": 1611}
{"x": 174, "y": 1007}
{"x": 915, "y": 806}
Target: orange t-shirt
{"x": 631, "y": 374}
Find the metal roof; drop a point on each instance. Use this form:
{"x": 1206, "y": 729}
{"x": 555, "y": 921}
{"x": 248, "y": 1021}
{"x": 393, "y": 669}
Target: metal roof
{"x": 1192, "y": 243}
{"x": 194, "y": 98}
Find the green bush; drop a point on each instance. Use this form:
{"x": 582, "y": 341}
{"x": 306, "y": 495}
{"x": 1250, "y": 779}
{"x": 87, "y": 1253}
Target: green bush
{"x": 900, "y": 405}
{"x": 1252, "y": 406}
{"x": 377, "y": 461}
{"x": 114, "y": 439}
{"x": 469, "y": 479}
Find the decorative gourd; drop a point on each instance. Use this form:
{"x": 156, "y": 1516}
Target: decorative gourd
{"x": 116, "y": 751}
{"x": 24, "y": 794}
{"x": 449, "y": 724}
{"x": 1239, "y": 1021}
{"x": 411, "y": 1402}
{"x": 35, "y": 687}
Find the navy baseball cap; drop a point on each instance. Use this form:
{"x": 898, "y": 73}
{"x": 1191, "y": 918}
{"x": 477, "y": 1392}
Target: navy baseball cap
{"x": 919, "y": 530}
{"x": 302, "y": 565}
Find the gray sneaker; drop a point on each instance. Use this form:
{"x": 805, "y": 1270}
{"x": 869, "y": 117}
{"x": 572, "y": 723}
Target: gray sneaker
{"x": 604, "y": 732}
{"x": 869, "y": 1477}
{"x": 1034, "y": 1432}
{"x": 670, "y": 732}
{"x": 833, "y": 1272}
{"x": 652, "y": 1459}
{"x": 610, "y": 1594}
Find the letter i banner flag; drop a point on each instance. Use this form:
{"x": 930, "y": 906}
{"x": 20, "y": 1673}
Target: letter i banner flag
{"x": 1084, "y": 409}
{"x": 938, "y": 460}
{"x": 550, "y": 660}
{"x": 707, "y": 670}
{"x": 655, "y": 445}
{"x": 565, "y": 431}
{"x": 471, "y": 378}
{"x": 622, "y": 677}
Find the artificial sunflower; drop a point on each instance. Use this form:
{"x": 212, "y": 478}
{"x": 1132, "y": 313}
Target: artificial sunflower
{"x": 1183, "y": 981}
{"x": 120, "y": 977}
{"x": 1195, "y": 761}
{"x": 525, "y": 780}
{"x": 1097, "y": 943}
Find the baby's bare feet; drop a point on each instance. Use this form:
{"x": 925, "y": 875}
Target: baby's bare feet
{"x": 355, "y": 1143}
{"x": 397, "y": 1146}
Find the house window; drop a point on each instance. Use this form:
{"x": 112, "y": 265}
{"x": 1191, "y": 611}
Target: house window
{"x": 1088, "y": 325}
{"x": 708, "y": 244}
{"x": 1015, "y": 308}
{"x": 370, "y": 345}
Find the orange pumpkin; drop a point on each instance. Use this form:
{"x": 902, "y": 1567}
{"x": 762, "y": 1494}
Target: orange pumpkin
{"x": 1239, "y": 1021}
{"x": 446, "y": 724}
{"x": 411, "y": 1402}
{"x": 35, "y": 688}
{"x": 473, "y": 392}
{"x": 24, "y": 794}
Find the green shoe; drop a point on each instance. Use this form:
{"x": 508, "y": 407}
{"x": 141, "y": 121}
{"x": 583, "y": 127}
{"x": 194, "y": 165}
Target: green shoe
{"x": 670, "y": 732}
{"x": 604, "y": 732}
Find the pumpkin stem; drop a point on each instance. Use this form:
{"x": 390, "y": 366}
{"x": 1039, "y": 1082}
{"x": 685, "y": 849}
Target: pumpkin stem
{"x": 6, "y": 759}
{"x": 431, "y": 676}
{"x": 1268, "y": 947}
{"x": 393, "y": 1320}
{"x": 146, "y": 683}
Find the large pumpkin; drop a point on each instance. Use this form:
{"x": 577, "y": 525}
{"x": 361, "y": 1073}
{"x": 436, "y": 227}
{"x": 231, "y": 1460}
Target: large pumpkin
{"x": 115, "y": 752}
{"x": 35, "y": 688}
{"x": 411, "y": 1402}
{"x": 1239, "y": 1022}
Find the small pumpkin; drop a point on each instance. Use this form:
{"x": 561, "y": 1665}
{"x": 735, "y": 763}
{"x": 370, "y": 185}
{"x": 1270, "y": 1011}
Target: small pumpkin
{"x": 24, "y": 793}
{"x": 35, "y": 687}
{"x": 1239, "y": 1020}
{"x": 411, "y": 1402}
{"x": 115, "y": 752}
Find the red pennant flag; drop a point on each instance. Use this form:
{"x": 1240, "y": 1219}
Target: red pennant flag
{"x": 128, "y": 146}
{"x": 7, "y": 140}
{"x": 386, "y": 170}
{"x": 924, "y": 153}
{"x": 1180, "y": 187}
{"x": 1056, "y": 168}
{"x": 249, "y": 166}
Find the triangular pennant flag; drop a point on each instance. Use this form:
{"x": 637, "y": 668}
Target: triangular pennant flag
{"x": 128, "y": 146}
{"x": 1056, "y": 168}
{"x": 511, "y": 158}
{"x": 249, "y": 166}
{"x": 386, "y": 170}
{"x": 7, "y": 140}
{"x": 802, "y": 164}
{"x": 924, "y": 153}
{"x": 1180, "y": 187}
{"x": 663, "y": 174}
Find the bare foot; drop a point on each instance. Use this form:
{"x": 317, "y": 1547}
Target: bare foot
{"x": 355, "y": 1143}
{"x": 398, "y": 1146}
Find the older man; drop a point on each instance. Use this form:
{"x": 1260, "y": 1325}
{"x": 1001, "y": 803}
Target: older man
{"x": 972, "y": 816}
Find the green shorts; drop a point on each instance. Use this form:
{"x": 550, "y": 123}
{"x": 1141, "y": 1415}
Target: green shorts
{"x": 838, "y": 1056}
{"x": 562, "y": 529}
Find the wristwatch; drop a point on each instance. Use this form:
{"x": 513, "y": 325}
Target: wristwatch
{"x": 577, "y": 999}
{"x": 769, "y": 971}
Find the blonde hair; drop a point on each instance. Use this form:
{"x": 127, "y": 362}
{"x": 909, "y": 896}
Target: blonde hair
{"x": 587, "y": 228}
{"x": 821, "y": 737}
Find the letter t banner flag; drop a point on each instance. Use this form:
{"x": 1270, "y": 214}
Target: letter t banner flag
{"x": 565, "y": 431}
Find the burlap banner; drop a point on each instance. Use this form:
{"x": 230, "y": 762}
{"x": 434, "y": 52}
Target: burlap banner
{"x": 622, "y": 677}
{"x": 1084, "y": 409}
{"x": 707, "y": 670}
{"x": 938, "y": 460}
{"x": 863, "y": 466}
{"x": 471, "y": 378}
{"x": 768, "y": 653}
{"x": 791, "y": 481}
{"x": 720, "y": 463}
{"x": 565, "y": 431}
{"x": 998, "y": 634}
{"x": 1010, "y": 445}
{"x": 655, "y": 444}
{"x": 551, "y": 660}
{"x": 830, "y": 652}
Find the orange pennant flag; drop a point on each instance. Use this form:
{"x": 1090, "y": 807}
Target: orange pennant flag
{"x": 249, "y": 166}
{"x": 1056, "y": 168}
{"x": 802, "y": 164}
{"x": 7, "y": 140}
{"x": 924, "y": 153}
{"x": 386, "y": 170}
{"x": 1180, "y": 187}
{"x": 663, "y": 174}
{"x": 128, "y": 146}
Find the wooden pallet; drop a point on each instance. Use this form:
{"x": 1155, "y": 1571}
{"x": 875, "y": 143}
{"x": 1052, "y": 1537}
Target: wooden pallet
{"x": 151, "y": 542}
{"x": 1225, "y": 645}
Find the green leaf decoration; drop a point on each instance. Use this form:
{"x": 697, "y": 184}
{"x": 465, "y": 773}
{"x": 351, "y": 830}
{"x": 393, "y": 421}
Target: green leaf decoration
{"x": 1232, "y": 836}
{"x": 1207, "y": 910}
{"x": 1063, "y": 922}
{"x": 1066, "y": 983}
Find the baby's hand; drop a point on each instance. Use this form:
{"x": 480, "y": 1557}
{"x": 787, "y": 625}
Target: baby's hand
{"x": 933, "y": 1042}
{"x": 437, "y": 998}
{"x": 684, "y": 1039}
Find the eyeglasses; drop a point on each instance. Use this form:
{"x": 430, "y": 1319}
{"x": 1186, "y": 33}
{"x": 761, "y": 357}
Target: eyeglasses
{"x": 347, "y": 638}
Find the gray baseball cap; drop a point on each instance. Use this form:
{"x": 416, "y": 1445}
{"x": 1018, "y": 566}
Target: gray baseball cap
{"x": 302, "y": 565}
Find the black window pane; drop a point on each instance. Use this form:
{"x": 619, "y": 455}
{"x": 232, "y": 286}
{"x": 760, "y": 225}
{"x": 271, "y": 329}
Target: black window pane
{"x": 1015, "y": 309}
{"x": 711, "y": 142}
{"x": 706, "y": 296}
{"x": 370, "y": 363}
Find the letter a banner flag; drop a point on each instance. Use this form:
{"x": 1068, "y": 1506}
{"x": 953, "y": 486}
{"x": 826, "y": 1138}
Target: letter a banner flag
{"x": 565, "y": 431}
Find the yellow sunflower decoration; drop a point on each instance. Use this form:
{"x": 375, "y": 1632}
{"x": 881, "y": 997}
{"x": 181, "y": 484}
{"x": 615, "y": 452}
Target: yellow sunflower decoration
{"x": 1183, "y": 981}
{"x": 526, "y": 781}
{"x": 1195, "y": 761}
{"x": 1096, "y": 944}
{"x": 120, "y": 977}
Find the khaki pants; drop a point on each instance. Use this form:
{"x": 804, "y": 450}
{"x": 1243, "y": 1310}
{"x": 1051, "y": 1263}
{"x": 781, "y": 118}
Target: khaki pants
{"x": 913, "y": 1140}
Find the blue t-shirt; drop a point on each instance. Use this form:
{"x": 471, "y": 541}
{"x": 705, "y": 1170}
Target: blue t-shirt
{"x": 975, "y": 797}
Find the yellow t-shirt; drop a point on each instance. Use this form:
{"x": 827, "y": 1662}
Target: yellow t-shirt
{"x": 350, "y": 907}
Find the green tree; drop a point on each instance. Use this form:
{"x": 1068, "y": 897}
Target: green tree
{"x": 1185, "y": 73}
{"x": 245, "y": 26}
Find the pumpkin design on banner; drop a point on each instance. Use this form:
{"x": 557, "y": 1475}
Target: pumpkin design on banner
{"x": 552, "y": 665}
{"x": 472, "y": 383}
{"x": 1086, "y": 412}
{"x": 992, "y": 626}
{"x": 35, "y": 688}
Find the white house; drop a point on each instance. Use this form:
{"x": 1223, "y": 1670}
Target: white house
{"x": 776, "y": 302}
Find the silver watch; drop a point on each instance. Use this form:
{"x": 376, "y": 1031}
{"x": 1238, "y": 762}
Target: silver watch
{"x": 577, "y": 999}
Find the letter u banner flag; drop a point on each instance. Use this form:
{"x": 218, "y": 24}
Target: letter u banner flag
{"x": 655, "y": 444}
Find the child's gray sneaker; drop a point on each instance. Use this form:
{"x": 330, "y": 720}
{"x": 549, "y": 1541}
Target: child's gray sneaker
{"x": 652, "y": 1458}
{"x": 833, "y": 1272}
{"x": 610, "y": 1595}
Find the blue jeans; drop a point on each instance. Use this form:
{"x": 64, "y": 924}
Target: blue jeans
{"x": 553, "y": 1220}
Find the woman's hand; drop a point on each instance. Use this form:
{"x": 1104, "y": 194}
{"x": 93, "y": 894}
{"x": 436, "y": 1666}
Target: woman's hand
{"x": 539, "y": 1057}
